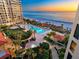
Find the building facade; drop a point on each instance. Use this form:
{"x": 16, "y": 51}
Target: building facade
{"x": 10, "y": 12}
{"x": 73, "y": 44}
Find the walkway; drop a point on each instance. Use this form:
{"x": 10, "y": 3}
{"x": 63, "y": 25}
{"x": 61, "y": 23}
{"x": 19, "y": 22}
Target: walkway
{"x": 54, "y": 53}
{"x": 39, "y": 39}
{"x": 53, "y": 50}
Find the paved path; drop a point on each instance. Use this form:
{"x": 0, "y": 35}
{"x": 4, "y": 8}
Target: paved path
{"x": 39, "y": 39}
{"x": 54, "y": 54}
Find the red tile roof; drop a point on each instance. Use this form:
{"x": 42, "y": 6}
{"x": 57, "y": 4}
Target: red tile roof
{"x": 2, "y": 39}
{"x": 59, "y": 37}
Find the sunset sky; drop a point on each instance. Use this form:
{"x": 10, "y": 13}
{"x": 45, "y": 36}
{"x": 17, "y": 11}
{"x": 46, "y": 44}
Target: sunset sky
{"x": 50, "y": 5}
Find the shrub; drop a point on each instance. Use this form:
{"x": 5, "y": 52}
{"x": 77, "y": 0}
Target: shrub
{"x": 44, "y": 45}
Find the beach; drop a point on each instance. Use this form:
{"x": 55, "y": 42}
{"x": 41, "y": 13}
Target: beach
{"x": 56, "y": 18}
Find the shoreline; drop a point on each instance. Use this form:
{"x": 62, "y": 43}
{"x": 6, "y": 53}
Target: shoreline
{"x": 60, "y": 28}
{"x": 64, "y": 16}
{"x": 67, "y": 25}
{"x": 52, "y": 20}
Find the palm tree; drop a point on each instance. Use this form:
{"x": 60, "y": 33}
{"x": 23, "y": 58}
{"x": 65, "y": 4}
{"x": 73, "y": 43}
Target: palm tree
{"x": 34, "y": 55}
{"x": 66, "y": 39}
{"x": 53, "y": 33}
{"x": 33, "y": 32}
{"x": 29, "y": 52}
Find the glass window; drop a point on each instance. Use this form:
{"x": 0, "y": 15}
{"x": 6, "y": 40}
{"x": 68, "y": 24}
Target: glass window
{"x": 76, "y": 34}
{"x": 73, "y": 46}
{"x": 69, "y": 56}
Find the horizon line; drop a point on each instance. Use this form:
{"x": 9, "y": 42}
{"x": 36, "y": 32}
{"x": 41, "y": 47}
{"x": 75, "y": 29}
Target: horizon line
{"x": 49, "y": 11}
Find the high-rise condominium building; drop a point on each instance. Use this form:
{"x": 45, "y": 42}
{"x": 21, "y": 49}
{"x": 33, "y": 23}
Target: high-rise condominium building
{"x": 10, "y": 12}
{"x": 72, "y": 51}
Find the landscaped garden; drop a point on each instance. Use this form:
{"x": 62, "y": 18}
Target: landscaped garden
{"x": 61, "y": 53}
{"x": 18, "y": 34}
{"x": 19, "y": 37}
{"x": 40, "y": 52}
{"x": 62, "y": 44}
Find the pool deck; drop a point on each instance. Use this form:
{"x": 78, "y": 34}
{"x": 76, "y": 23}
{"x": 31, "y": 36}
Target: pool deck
{"x": 39, "y": 39}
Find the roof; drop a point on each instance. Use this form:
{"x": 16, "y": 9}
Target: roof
{"x": 4, "y": 54}
{"x": 59, "y": 37}
{"x": 2, "y": 39}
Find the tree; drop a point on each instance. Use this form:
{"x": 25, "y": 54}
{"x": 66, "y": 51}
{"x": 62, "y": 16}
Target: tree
{"x": 66, "y": 39}
{"x": 29, "y": 52}
{"x": 48, "y": 39}
{"x": 61, "y": 53}
{"x": 44, "y": 45}
{"x": 34, "y": 55}
{"x": 51, "y": 34}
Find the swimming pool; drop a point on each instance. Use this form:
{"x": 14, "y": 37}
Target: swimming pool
{"x": 37, "y": 29}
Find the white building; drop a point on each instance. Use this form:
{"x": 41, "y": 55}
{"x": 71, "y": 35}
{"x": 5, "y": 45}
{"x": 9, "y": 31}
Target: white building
{"x": 10, "y": 12}
{"x": 73, "y": 44}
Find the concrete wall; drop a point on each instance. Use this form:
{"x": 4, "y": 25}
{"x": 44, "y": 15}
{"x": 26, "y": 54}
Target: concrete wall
{"x": 75, "y": 54}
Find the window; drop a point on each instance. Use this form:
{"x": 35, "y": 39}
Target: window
{"x": 76, "y": 34}
{"x": 69, "y": 56}
{"x": 73, "y": 46}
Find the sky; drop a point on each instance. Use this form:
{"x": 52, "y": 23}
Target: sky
{"x": 50, "y": 5}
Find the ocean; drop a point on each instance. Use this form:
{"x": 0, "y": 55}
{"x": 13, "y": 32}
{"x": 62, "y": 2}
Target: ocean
{"x": 49, "y": 17}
